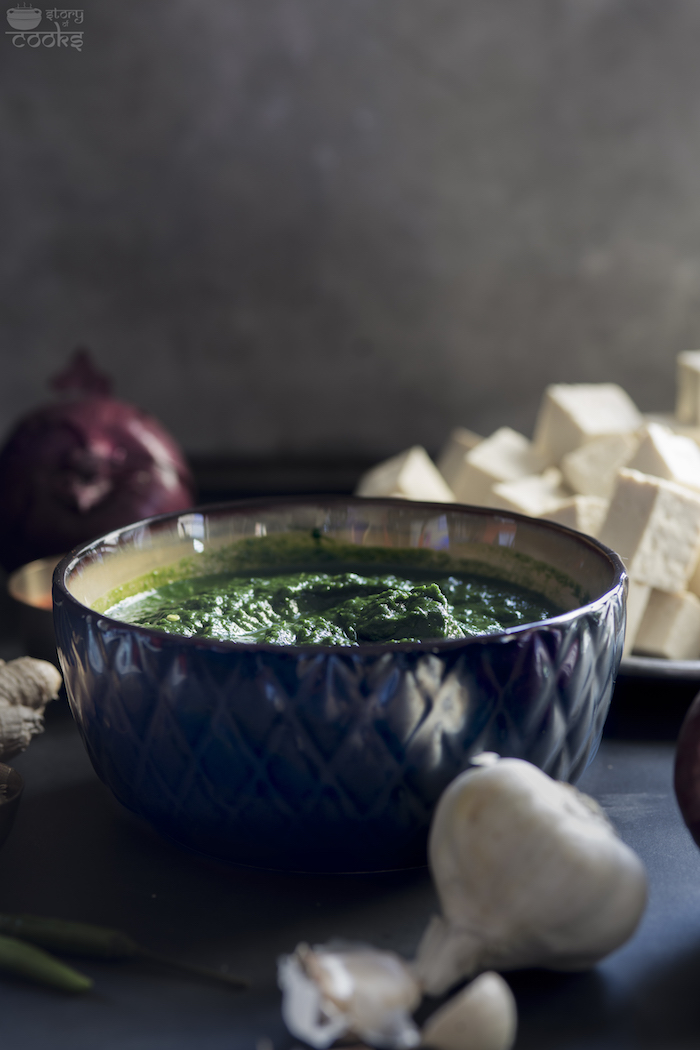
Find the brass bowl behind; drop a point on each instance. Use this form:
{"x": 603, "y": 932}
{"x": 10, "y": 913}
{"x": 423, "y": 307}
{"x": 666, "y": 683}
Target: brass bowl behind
{"x": 11, "y": 787}
{"x": 30, "y": 589}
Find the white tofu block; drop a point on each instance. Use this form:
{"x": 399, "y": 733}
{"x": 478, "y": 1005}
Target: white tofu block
{"x": 591, "y": 470}
{"x": 654, "y": 525}
{"x": 668, "y": 455}
{"x": 667, "y": 419}
{"x": 449, "y": 461}
{"x": 637, "y": 601}
{"x": 410, "y": 475}
{"x": 571, "y": 414}
{"x": 504, "y": 456}
{"x": 584, "y": 513}
{"x": 535, "y": 495}
{"x": 670, "y": 627}
{"x": 688, "y": 387}
{"x": 694, "y": 581}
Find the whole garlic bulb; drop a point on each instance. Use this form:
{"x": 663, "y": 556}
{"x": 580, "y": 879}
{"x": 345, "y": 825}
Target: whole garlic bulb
{"x": 529, "y": 872}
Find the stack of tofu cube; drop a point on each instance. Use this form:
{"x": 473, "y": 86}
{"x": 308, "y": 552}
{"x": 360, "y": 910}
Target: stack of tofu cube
{"x": 596, "y": 464}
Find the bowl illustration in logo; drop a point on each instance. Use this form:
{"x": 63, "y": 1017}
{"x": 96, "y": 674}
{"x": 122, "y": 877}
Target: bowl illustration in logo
{"x": 24, "y": 17}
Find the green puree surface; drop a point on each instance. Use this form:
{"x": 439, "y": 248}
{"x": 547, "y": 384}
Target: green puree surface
{"x": 338, "y": 608}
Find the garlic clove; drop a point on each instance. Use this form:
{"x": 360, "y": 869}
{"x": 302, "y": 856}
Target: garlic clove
{"x": 303, "y": 1005}
{"x": 529, "y": 872}
{"x": 330, "y": 992}
{"x": 483, "y": 1016}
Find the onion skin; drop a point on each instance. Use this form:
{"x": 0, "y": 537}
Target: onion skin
{"x": 73, "y": 470}
{"x": 686, "y": 777}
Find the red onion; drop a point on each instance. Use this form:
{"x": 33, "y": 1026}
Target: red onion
{"x": 83, "y": 466}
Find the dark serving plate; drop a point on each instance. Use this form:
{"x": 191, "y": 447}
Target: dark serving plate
{"x": 654, "y": 667}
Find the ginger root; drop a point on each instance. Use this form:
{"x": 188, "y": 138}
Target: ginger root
{"x": 26, "y": 687}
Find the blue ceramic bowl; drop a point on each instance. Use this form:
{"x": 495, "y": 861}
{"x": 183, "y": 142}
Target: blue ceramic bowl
{"x": 330, "y": 758}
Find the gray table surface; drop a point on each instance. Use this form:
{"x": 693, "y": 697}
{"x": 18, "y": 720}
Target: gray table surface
{"x": 74, "y": 852}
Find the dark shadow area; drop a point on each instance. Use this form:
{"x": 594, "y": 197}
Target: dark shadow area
{"x": 664, "y": 1009}
{"x": 222, "y": 478}
{"x": 109, "y": 867}
{"x": 648, "y": 708}
{"x": 548, "y": 1002}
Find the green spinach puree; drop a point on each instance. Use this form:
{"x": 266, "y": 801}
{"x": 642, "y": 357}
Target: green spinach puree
{"x": 332, "y": 608}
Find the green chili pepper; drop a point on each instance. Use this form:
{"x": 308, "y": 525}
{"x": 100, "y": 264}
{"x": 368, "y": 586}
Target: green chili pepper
{"x": 72, "y": 938}
{"x": 97, "y": 942}
{"x": 26, "y": 960}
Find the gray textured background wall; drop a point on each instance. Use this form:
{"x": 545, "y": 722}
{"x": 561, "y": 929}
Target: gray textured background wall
{"x": 344, "y": 226}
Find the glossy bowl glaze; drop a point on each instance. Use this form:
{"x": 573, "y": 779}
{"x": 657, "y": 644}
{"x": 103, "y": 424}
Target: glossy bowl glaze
{"x": 330, "y": 758}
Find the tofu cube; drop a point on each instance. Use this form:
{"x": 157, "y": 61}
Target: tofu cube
{"x": 535, "y": 495}
{"x": 572, "y": 414}
{"x": 637, "y": 601}
{"x": 668, "y": 419}
{"x": 670, "y": 626}
{"x": 694, "y": 581}
{"x": 668, "y": 455}
{"x": 410, "y": 475}
{"x": 584, "y": 513}
{"x": 591, "y": 470}
{"x": 504, "y": 456}
{"x": 449, "y": 461}
{"x": 688, "y": 387}
{"x": 654, "y": 525}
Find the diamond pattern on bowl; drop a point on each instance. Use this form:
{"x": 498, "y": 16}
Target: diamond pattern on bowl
{"x": 327, "y": 760}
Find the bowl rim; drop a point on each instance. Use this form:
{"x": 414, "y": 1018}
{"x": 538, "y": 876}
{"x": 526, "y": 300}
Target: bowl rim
{"x": 167, "y": 640}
